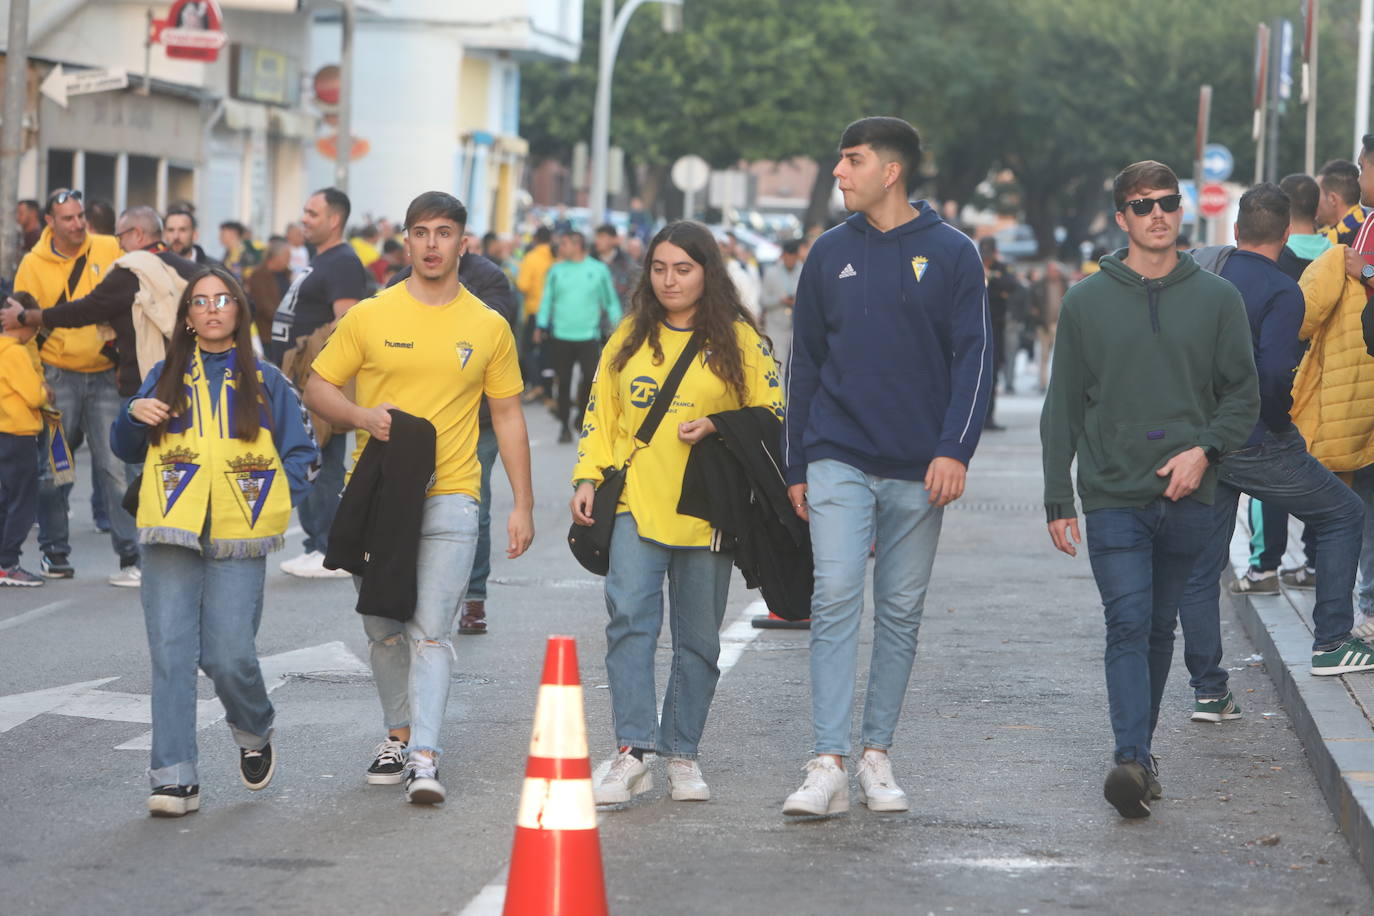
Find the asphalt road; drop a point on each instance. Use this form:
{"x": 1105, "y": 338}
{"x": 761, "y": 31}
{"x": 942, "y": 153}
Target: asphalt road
{"x": 1003, "y": 747}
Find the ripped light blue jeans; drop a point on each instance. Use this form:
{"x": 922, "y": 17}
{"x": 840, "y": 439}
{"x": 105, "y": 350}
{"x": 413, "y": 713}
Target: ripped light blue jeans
{"x": 412, "y": 660}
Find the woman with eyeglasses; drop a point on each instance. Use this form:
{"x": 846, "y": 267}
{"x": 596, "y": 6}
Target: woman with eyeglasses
{"x": 226, "y": 451}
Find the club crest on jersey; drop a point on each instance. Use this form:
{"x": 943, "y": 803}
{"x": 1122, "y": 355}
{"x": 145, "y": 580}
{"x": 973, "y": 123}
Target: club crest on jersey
{"x": 918, "y": 267}
{"x": 175, "y": 468}
{"x": 464, "y": 353}
{"x": 250, "y": 478}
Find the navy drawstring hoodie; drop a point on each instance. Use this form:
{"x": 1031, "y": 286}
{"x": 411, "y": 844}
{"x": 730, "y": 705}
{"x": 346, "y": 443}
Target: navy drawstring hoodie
{"x": 891, "y": 361}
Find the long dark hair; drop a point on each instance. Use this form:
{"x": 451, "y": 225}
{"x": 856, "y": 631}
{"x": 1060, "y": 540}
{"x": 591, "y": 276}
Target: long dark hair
{"x": 248, "y": 393}
{"x": 717, "y": 310}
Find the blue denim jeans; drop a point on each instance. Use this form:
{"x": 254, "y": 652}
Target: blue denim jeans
{"x": 1141, "y": 559}
{"x": 487, "y": 453}
{"x": 18, "y": 495}
{"x": 1363, "y": 484}
{"x": 90, "y": 403}
{"x": 849, "y": 510}
{"x": 202, "y": 612}
{"x": 317, "y": 510}
{"x": 412, "y": 660}
{"x": 698, "y": 583}
{"x": 1282, "y": 473}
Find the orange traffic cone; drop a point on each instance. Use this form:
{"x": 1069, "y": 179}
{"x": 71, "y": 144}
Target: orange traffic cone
{"x": 555, "y": 867}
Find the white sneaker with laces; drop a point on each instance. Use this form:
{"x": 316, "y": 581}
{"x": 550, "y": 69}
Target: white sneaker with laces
{"x": 685, "y": 780}
{"x": 825, "y": 791}
{"x": 311, "y": 566}
{"x": 128, "y": 577}
{"x": 627, "y": 777}
{"x": 422, "y": 780}
{"x": 877, "y": 788}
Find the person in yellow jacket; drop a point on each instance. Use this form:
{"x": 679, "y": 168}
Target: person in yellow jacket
{"x": 685, "y": 289}
{"x": 534, "y": 269}
{"x": 67, "y": 263}
{"x": 21, "y": 394}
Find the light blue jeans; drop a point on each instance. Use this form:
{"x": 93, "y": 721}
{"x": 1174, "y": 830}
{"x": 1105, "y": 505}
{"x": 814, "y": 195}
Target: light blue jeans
{"x": 698, "y": 583}
{"x": 202, "y": 612}
{"x": 412, "y": 660}
{"x": 849, "y": 510}
{"x": 487, "y": 452}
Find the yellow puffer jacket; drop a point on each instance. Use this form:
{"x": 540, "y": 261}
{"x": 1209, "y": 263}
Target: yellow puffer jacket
{"x": 45, "y": 273}
{"x": 1333, "y": 393}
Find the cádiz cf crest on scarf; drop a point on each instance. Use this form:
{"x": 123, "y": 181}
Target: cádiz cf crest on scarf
{"x": 175, "y": 468}
{"x": 250, "y": 478}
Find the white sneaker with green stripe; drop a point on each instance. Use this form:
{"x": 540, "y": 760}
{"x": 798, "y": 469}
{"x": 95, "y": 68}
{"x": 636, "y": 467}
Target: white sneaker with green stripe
{"x": 1347, "y": 658}
{"x": 1217, "y": 709}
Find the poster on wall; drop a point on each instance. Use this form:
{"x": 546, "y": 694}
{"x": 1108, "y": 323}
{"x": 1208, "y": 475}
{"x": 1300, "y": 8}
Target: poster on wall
{"x": 193, "y": 30}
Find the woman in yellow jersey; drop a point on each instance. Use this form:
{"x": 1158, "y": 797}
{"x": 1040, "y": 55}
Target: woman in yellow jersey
{"x": 225, "y": 450}
{"x": 683, "y": 289}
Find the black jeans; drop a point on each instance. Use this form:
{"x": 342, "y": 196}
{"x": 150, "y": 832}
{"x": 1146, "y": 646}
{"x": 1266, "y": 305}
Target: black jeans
{"x": 18, "y": 494}
{"x": 563, "y": 355}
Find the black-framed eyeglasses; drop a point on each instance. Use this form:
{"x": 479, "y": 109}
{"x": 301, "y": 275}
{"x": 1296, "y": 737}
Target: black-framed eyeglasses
{"x": 61, "y": 197}
{"x": 123, "y": 232}
{"x": 1144, "y": 206}
{"x": 219, "y": 302}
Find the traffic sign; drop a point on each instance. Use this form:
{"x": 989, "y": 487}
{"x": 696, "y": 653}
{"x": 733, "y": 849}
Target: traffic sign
{"x": 691, "y": 174}
{"x": 1217, "y": 162}
{"x": 1214, "y": 200}
{"x": 58, "y": 85}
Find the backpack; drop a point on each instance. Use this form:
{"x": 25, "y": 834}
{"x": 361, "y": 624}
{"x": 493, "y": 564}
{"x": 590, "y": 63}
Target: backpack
{"x": 1213, "y": 257}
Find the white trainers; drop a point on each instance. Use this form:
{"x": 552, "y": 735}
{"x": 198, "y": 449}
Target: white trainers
{"x": 422, "y": 781}
{"x": 128, "y": 577}
{"x": 877, "y": 788}
{"x": 627, "y": 777}
{"x": 825, "y": 791}
{"x": 685, "y": 780}
{"x": 311, "y": 566}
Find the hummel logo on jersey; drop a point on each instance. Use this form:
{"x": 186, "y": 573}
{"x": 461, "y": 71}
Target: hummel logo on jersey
{"x": 848, "y": 271}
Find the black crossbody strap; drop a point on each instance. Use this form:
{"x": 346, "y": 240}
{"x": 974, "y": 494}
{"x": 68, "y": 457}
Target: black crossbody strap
{"x": 664, "y": 399}
{"x": 73, "y": 280}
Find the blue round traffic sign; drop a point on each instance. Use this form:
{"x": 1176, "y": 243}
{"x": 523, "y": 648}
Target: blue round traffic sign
{"x": 1217, "y": 162}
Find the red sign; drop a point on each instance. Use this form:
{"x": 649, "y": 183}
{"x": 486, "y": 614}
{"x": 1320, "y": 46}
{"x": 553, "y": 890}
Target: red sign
{"x": 193, "y": 30}
{"x": 1213, "y": 200}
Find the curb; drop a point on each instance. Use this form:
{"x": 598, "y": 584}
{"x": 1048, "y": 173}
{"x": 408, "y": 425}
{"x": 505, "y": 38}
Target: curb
{"x": 1332, "y": 726}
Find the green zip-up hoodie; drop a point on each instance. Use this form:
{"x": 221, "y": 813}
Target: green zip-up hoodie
{"x": 1144, "y": 370}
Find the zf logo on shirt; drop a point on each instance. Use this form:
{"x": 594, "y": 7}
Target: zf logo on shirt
{"x": 643, "y": 390}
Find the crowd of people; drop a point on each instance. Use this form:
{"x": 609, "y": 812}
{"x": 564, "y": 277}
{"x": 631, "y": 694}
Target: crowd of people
{"x": 794, "y": 423}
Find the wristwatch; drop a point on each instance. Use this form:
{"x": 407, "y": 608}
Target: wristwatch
{"x": 23, "y": 318}
{"x": 1213, "y": 454}
{"x": 1367, "y": 274}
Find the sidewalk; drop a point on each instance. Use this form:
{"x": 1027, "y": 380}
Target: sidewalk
{"x": 1333, "y": 716}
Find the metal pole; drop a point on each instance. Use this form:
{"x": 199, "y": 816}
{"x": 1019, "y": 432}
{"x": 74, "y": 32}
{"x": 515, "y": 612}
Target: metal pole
{"x": 1310, "y": 80}
{"x": 343, "y": 152}
{"x": 1362, "y": 74}
{"x": 12, "y": 131}
{"x": 1204, "y": 119}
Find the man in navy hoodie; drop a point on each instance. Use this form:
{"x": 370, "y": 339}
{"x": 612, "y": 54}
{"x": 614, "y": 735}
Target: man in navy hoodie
{"x": 887, "y": 392}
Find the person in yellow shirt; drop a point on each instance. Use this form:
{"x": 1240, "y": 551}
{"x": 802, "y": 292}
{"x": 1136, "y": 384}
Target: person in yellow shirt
{"x": 21, "y": 394}
{"x": 686, "y": 289}
{"x": 430, "y": 348}
{"x": 534, "y": 269}
{"x": 66, "y": 264}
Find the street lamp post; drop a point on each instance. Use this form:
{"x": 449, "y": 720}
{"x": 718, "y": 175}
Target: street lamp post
{"x": 612, "y": 31}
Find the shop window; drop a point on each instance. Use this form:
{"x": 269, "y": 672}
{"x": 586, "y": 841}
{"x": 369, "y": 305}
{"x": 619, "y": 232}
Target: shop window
{"x": 100, "y": 178}
{"x": 60, "y": 164}
{"x": 142, "y": 181}
{"x": 181, "y": 184}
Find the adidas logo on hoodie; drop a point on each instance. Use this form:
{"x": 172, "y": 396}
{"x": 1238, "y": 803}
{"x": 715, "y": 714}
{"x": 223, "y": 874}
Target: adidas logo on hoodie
{"x": 848, "y": 271}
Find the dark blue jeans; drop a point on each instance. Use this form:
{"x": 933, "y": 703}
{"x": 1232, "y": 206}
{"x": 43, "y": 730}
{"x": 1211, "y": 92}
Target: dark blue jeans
{"x": 18, "y": 495}
{"x": 1141, "y": 559}
{"x": 481, "y": 563}
{"x": 317, "y": 510}
{"x": 1282, "y": 473}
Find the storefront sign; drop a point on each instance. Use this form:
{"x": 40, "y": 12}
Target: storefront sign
{"x": 193, "y": 30}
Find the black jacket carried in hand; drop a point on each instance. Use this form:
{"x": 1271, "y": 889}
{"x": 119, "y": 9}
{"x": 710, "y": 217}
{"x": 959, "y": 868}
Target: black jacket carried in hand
{"x": 734, "y": 480}
{"x": 376, "y": 532}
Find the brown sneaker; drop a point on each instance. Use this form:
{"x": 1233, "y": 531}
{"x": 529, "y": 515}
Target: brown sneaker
{"x": 474, "y": 619}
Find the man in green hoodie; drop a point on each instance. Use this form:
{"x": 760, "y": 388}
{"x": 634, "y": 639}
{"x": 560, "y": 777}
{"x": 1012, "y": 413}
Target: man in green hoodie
{"x": 1153, "y": 380}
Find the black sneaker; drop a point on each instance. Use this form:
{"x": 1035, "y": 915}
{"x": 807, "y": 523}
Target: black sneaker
{"x": 56, "y": 566}
{"x": 1128, "y": 789}
{"x": 256, "y": 767}
{"x": 422, "y": 781}
{"x": 174, "y": 801}
{"x": 564, "y": 435}
{"x": 388, "y": 767}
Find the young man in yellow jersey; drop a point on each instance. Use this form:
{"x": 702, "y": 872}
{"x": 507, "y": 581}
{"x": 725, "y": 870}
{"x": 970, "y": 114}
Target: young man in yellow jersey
{"x": 430, "y": 348}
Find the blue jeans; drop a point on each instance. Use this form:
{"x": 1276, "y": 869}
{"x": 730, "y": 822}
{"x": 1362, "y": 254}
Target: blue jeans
{"x": 18, "y": 495}
{"x": 1363, "y": 484}
{"x": 1141, "y": 559}
{"x": 317, "y": 510}
{"x": 849, "y": 510}
{"x": 205, "y": 613}
{"x": 1282, "y": 473}
{"x": 481, "y": 563}
{"x": 413, "y": 659}
{"x": 698, "y": 583}
{"x": 90, "y": 404}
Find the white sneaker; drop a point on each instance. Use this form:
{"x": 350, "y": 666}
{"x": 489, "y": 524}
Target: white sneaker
{"x": 685, "y": 781}
{"x": 422, "y": 780}
{"x": 1364, "y": 626}
{"x": 128, "y": 577}
{"x": 877, "y": 788}
{"x": 311, "y": 566}
{"x": 627, "y": 777}
{"x": 825, "y": 791}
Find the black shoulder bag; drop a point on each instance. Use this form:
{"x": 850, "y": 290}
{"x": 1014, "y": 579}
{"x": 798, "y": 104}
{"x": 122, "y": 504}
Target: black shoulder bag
{"x": 591, "y": 545}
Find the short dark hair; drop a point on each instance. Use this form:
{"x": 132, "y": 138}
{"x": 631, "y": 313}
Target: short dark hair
{"x": 180, "y": 211}
{"x": 391, "y": 246}
{"x": 1303, "y": 194}
{"x": 100, "y": 216}
{"x": 542, "y": 236}
{"x": 987, "y": 245}
{"x": 1263, "y": 215}
{"x": 1367, "y": 145}
{"x": 891, "y": 136}
{"x": 234, "y": 225}
{"x": 607, "y": 229}
{"x": 1342, "y": 178}
{"x": 337, "y": 201}
{"x": 792, "y": 246}
{"x": 574, "y": 234}
{"x": 1146, "y": 175}
{"x": 436, "y": 205}
{"x": 488, "y": 237}
{"x": 31, "y": 204}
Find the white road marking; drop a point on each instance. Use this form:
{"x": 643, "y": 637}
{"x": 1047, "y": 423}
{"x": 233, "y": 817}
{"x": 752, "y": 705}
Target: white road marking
{"x": 35, "y": 614}
{"x": 734, "y": 639}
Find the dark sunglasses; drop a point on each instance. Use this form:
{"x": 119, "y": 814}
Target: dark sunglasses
{"x": 1143, "y": 206}
{"x": 61, "y": 197}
